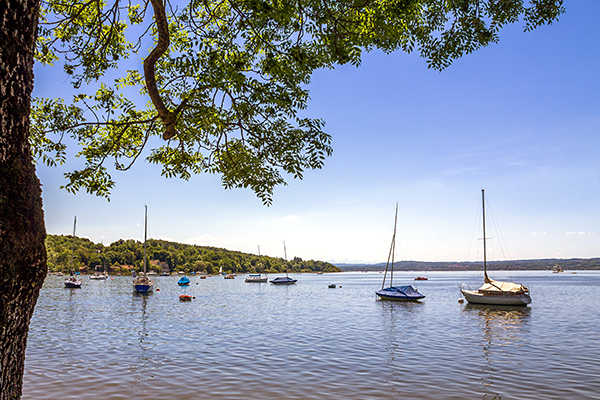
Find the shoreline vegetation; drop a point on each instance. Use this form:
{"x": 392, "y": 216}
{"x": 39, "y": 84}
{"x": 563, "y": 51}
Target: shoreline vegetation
{"x": 123, "y": 256}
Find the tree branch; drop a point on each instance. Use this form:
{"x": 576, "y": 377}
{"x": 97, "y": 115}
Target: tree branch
{"x": 162, "y": 45}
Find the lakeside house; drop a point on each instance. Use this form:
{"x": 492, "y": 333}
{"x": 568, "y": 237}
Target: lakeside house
{"x": 162, "y": 264}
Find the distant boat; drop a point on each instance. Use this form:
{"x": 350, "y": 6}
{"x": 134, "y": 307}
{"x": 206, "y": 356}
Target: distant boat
{"x": 184, "y": 281}
{"x": 495, "y": 292}
{"x": 256, "y": 278}
{"x": 396, "y": 293}
{"x": 230, "y": 276}
{"x": 164, "y": 274}
{"x": 284, "y": 280}
{"x": 421, "y": 278}
{"x": 185, "y": 297}
{"x": 557, "y": 269}
{"x": 73, "y": 282}
{"x": 99, "y": 276}
{"x": 141, "y": 283}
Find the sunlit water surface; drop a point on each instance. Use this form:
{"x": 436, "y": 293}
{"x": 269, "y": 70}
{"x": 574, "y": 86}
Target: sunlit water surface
{"x": 240, "y": 340}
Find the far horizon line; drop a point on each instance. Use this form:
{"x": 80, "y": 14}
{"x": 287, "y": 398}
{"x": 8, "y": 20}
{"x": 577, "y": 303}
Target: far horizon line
{"x": 360, "y": 263}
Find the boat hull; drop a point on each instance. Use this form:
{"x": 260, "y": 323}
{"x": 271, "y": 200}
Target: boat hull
{"x": 476, "y": 297}
{"x": 143, "y": 288}
{"x": 401, "y": 293}
{"x": 280, "y": 281}
{"x": 73, "y": 284}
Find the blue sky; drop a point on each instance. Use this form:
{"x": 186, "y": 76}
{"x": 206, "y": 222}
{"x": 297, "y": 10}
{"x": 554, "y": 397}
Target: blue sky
{"x": 520, "y": 118}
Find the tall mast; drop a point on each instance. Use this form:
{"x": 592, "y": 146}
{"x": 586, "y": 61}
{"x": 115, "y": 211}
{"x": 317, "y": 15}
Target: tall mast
{"x": 391, "y": 254}
{"x": 73, "y": 243}
{"x": 145, "y": 233}
{"x": 485, "y": 275}
{"x": 285, "y": 255}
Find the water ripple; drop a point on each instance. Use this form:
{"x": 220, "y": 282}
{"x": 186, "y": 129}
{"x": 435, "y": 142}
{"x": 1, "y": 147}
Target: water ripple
{"x": 259, "y": 341}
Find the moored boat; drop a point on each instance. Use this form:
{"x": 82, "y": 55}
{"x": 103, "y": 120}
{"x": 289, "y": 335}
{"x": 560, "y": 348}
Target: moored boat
{"x": 396, "y": 293}
{"x": 283, "y": 280}
{"x": 141, "y": 283}
{"x": 400, "y": 293}
{"x": 557, "y": 269}
{"x": 99, "y": 276}
{"x": 72, "y": 282}
{"x": 184, "y": 281}
{"x": 495, "y": 292}
{"x": 185, "y": 297}
{"x": 256, "y": 278}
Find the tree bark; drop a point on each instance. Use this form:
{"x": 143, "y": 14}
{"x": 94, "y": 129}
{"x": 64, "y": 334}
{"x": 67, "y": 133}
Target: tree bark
{"x": 22, "y": 231}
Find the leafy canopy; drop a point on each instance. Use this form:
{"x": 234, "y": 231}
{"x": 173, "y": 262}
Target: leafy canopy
{"x": 226, "y": 80}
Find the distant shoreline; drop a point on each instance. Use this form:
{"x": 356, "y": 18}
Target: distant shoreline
{"x": 572, "y": 264}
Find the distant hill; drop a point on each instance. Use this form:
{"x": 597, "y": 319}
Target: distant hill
{"x": 124, "y": 255}
{"x": 542, "y": 264}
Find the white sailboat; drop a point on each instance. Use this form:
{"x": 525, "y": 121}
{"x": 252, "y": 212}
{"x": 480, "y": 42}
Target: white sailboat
{"x": 141, "y": 283}
{"x": 72, "y": 281}
{"x": 495, "y": 292}
{"x": 257, "y": 278}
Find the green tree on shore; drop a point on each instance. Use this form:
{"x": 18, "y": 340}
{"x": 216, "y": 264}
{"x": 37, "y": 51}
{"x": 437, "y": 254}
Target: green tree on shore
{"x": 225, "y": 83}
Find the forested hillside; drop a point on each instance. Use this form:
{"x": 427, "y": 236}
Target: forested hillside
{"x": 124, "y": 255}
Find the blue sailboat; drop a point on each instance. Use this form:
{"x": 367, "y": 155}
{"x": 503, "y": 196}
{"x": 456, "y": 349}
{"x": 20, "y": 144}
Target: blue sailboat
{"x": 184, "y": 281}
{"x": 284, "y": 280}
{"x": 396, "y": 293}
{"x": 141, "y": 283}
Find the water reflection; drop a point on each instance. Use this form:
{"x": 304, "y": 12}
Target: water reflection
{"x": 504, "y": 328}
{"x": 399, "y": 327}
{"x": 140, "y": 302}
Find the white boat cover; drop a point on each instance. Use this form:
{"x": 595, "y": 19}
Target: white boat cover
{"x": 492, "y": 286}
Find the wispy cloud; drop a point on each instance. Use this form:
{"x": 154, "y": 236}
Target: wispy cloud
{"x": 201, "y": 240}
{"x": 165, "y": 238}
{"x": 538, "y": 233}
{"x": 288, "y": 218}
{"x": 580, "y": 233}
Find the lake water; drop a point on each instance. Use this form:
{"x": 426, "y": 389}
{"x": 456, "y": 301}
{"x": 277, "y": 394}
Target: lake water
{"x": 240, "y": 340}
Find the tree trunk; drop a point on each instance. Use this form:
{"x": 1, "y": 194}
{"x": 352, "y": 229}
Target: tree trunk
{"x": 22, "y": 231}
